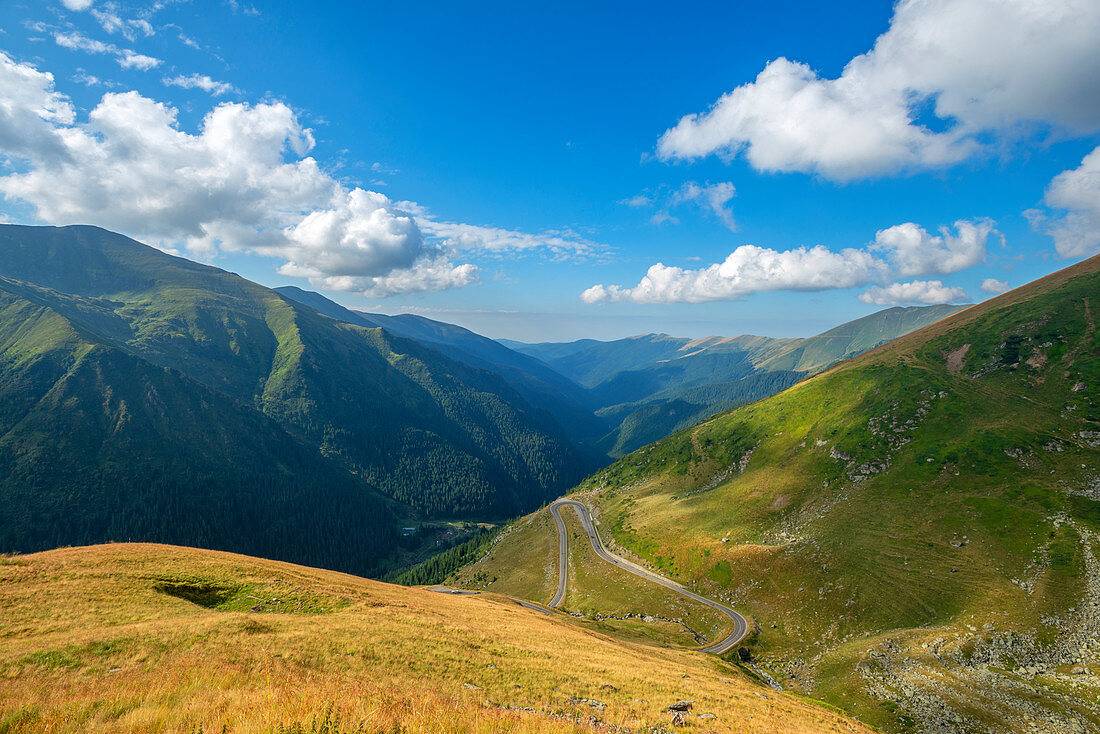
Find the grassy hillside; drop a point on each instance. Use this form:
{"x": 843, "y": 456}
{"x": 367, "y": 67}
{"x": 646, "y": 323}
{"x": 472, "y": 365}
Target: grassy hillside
{"x": 147, "y": 397}
{"x": 916, "y": 531}
{"x": 138, "y": 638}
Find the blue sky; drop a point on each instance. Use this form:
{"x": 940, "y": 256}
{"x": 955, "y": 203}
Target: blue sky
{"x": 490, "y": 165}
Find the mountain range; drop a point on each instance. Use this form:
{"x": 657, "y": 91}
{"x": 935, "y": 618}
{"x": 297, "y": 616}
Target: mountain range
{"x": 618, "y": 395}
{"x": 149, "y": 397}
{"x": 648, "y": 386}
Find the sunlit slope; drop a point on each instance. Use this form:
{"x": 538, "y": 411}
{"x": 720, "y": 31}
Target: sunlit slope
{"x": 854, "y": 337}
{"x": 909, "y": 523}
{"x": 138, "y": 638}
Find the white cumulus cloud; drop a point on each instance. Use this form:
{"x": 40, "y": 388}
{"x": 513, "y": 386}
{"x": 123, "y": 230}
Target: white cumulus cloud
{"x": 748, "y": 269}
{"x": 914, "y": 292}
{"x": 76, "y": 41}
{"x": 30, "y": 112}
{"x": 994, "y": 286}
{"x": 243, "y": 180}
{"x": 461, "y": 237}
{"x": 977, "y": 65}
{"x": 903, "y": 250}
{"x": 131, "y": 60}
{"x": 199, "y": 81}
{"x": 916, "y": 252}
{"x": 77, "y": 5}
{"x": 110, "y": 21}
{"x": 637, "y": 201}
{"x": 1076, "y": 230}
{"x": 425, "y": 275}
{"x": 712, "y": 197}
{"x": 361, "y": 233}
{"x": 127, "y": 59}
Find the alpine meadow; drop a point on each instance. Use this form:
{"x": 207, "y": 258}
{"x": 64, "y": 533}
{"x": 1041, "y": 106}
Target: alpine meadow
{"x": 377, "y": 368}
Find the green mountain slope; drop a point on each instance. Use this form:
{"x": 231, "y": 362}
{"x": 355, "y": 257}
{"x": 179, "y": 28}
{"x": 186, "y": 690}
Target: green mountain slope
{"x": 915, "y": 531}
{"x": 570, "y": 404}
{"x": 97, "y": 444}
{"x": 613, "y": 397}
{"x": 437, "y": 436}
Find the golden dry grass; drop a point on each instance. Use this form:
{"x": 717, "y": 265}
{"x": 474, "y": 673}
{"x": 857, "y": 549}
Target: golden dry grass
{"x": 89, "y": 643}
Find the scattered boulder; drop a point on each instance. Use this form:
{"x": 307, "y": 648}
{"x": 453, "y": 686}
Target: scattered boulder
{"x": 681, "y": 706}
{"x": 679, "y": 718}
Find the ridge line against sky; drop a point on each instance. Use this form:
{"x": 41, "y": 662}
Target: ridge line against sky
{"x": 932, "y": 151}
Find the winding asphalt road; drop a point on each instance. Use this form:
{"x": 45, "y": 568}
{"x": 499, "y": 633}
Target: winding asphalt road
{"x": 740, "y": 625}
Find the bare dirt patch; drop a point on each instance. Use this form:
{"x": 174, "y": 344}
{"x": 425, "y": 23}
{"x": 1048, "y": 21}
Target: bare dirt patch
{"x": 956, "y": 357}
{"x": 1037, "y": 360}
